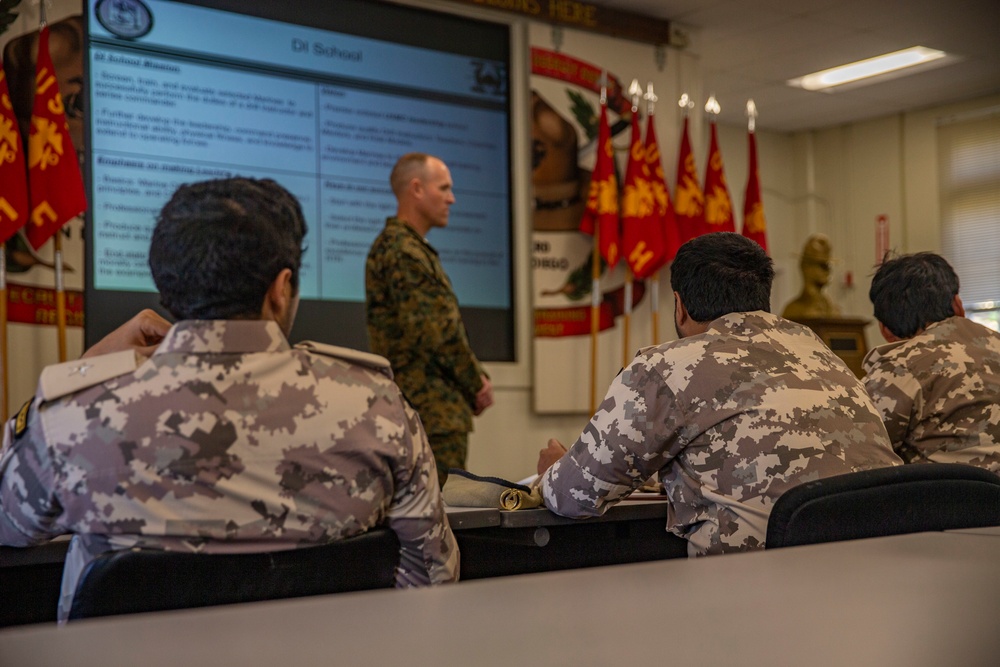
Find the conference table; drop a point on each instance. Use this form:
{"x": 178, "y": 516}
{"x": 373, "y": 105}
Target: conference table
{"x": 992, "y": 531}
{"x": 493, "y": 543}
{"x": 496, "y": 543}
{"x": 914, "y": 600}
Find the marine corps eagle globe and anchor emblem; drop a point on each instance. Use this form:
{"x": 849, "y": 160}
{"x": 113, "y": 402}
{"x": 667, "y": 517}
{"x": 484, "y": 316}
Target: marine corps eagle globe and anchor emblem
{"x": 128, "y": 19}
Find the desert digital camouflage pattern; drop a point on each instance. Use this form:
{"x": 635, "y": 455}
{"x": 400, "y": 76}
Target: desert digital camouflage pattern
{"x": 414, "y": 321}
{"x": 939, "y": 393}
{"x": 225, "y": 440}
{"x": 730, "y": 419}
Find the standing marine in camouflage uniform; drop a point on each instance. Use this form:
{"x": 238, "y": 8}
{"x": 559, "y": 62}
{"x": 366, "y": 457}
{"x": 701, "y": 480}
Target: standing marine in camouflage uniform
{"x": 226, "y": 439}
{"x": 745, "y": 406}
{"x": 413, "y": 315}
{"x": 937, "y": 379}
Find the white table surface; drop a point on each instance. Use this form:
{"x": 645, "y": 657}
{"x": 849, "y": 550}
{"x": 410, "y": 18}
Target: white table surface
{"x": 913, "y": 600}
{"x": 991, "y": 531}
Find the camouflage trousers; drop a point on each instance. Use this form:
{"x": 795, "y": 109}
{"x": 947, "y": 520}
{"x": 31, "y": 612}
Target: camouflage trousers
{"x": 450, "y": 450}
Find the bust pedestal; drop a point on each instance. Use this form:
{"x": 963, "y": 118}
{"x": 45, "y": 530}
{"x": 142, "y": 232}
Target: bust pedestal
{"x": 844, "y": 335}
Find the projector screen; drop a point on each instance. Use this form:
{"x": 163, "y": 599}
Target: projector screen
{"x": 323, "y": 98}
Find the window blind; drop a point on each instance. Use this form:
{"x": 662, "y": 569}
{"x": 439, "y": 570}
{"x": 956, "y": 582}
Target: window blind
{"x": 969, "y": 168}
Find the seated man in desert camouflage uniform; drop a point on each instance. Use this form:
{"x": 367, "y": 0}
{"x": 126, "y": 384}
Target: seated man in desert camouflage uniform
{"x": 745, "y": 406}
{"x": 226, "y": 439}
{"x": 937, "y": 379}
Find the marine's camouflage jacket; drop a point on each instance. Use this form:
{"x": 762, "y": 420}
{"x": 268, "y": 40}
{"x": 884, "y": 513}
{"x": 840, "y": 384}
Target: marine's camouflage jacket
{"x": 939, "y": 393}
{"x": 414, "y": 322}
{"x": 225, "y": 440}
{"x": 730, "y": 419}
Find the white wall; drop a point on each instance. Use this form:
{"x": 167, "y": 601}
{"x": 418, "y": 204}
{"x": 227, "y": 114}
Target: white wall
{"x": 885, "y": 166}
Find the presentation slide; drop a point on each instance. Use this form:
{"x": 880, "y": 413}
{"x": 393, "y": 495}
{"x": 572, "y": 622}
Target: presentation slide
{"x": 180, "y": 93}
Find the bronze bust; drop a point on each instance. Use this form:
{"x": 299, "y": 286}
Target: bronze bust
{"x": 815, "y": 267}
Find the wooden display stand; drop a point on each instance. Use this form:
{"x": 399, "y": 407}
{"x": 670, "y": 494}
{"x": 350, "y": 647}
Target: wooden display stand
{"x": 844, "y": 335}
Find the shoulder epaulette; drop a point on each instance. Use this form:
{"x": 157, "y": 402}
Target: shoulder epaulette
{"x": 366, "y": 359}
{"x": 72, "y": 376}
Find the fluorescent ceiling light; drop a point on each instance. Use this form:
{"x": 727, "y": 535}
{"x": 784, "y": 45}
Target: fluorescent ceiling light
{"x": 890, "y": 62}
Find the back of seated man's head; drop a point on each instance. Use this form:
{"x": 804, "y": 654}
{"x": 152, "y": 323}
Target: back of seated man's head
{"x": 721, "y": 273}
{"x": 911, "y": 291}
{"x": 218, "y": 245}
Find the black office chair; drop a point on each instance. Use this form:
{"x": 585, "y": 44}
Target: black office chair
{"x": 886, "y": 501}
{"x": 140, "y": 580}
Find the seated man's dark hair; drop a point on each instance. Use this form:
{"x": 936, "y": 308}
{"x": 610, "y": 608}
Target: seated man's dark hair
{"x": 911, "y": 291}
{"x": 721, "y": 273}
{"x": 218, "y": 245}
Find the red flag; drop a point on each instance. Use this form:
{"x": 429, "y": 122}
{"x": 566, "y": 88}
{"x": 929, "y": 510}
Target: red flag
{"x": 54, "y": 174}
{"x": 689, "y": 201}
{"x": 642, "y": 236}
{"x": 602, "y": 201}
{"x": 718, "y": 203}
{"x": 13, "y": 178}
{"x": 661, "y": 196}
{"x": 754, "y": 224}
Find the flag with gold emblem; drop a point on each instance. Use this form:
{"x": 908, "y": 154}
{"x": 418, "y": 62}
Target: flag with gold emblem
{"x": 642, "y": 236}
{"x": 664, "y": 208}
{"x": 601, "y": 212}
{"x": 689, "y": 200}
{"x": 56, "y": 186}
{"x": 718, "y": 203}
{"x": 754, "y": 224}
{"x": 13, "y": 178}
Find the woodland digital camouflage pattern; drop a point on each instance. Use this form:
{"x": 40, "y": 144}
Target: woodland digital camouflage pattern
{"x": 414, "y": 321}
{"x": 939, "y": 393}
{"x": 730, "y": 419}
{"x": 225, "y": 440}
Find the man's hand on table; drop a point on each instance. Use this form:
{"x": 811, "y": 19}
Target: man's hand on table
{"x": 552, "y": 453}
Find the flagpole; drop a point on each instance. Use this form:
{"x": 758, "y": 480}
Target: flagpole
{"x": 719, "y": 215}
{"x": 60, "y": 294}
{"x": 14, "y": 211}
{"x": 595, "y": 313}
{"x": 634, "y": 90}
{"x": 56, "y": 187}
{"x": 595, "y": 277}
{"x": 60, "y": 298}
{"x": 654, "y": 280}
{"x": 4, "y": 359}
{"x": 754, "y": 222}
{"x": 688, "y": 194}
{"x": 627, "y": 316}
